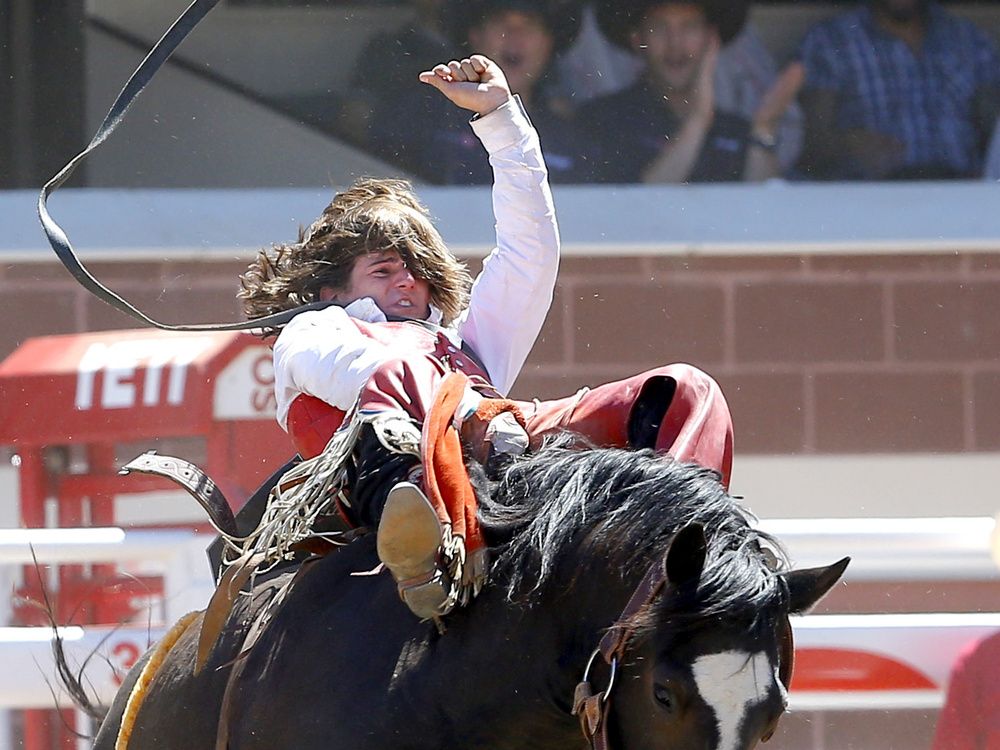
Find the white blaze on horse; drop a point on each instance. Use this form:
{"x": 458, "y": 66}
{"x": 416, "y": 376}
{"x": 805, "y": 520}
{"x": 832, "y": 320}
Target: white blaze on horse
{"x": 734, "y": 684}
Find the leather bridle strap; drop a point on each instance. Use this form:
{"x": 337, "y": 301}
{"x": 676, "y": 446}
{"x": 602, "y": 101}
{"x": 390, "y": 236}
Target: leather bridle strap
{"x": 133, "y": 87}
{"x": 593, "y": 708}
{"x": 787, "y": 656}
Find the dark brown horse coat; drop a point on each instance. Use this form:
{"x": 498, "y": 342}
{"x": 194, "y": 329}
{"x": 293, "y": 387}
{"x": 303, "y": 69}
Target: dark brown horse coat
{"x": 344, "y": 665}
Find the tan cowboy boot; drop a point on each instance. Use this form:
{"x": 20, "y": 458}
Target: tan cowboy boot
{"x": 409, "y": 535}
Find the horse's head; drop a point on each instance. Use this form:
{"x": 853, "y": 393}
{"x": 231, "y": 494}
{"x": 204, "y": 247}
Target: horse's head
{"x": 704, "y": 658}
{"x": 711, "y": 680}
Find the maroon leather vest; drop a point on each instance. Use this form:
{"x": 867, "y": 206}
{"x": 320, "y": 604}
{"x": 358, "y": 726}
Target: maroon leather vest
{"x": 312, "y": 422}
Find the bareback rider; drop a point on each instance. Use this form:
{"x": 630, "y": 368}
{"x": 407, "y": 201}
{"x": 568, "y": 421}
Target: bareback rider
{"x": 404, "y": 317}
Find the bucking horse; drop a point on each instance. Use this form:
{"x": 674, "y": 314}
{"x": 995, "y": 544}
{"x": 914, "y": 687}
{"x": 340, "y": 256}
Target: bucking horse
{"x": 629, "y": 597}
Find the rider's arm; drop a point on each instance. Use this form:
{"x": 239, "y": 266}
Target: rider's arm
{"x": 322, "y": 353}
{"x": 512, "y": 295}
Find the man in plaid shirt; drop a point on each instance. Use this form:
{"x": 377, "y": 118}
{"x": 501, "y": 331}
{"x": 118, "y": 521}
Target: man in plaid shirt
{"x": 898, "y": 89}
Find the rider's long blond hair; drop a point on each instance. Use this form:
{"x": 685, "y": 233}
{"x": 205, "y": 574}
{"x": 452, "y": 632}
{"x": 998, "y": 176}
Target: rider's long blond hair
{"x": 373, "y": 215}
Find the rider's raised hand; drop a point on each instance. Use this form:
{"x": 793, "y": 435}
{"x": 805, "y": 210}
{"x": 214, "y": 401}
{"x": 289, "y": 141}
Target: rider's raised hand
{"x": 475, "y": 83}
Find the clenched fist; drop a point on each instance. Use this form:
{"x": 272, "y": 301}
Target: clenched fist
{"x": 475, "y": 83}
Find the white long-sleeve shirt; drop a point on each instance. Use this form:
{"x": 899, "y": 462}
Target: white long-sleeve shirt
{"x": 323, "y": 354}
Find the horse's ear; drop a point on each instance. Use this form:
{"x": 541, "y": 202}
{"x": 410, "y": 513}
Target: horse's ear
{"x": 686, "y": 556}
{"x": 809, "y": 585}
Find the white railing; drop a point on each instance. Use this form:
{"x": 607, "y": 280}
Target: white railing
{"x": 28, "y": 679}
{"x": 882, "y": 549}
{"x": 890, "y": 549}
{"x": 927, "y": 643}
{"x": 178, "y": 555}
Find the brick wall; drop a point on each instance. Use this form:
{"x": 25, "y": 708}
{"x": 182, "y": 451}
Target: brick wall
{"x": 42, "y": 298}
{"x": 816, "y": 354}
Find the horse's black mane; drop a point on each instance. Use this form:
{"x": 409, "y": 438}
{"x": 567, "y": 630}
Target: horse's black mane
{"x": 618, "y": 509}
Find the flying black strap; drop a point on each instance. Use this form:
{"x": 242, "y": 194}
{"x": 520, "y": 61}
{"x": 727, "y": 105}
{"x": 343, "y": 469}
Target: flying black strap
{"x": 57, "y": 237}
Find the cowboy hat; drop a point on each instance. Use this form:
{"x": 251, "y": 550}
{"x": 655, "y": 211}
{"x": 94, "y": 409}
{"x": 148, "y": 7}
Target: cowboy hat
{"x": 619, "y": 18}
{"x": 561, "y": 17}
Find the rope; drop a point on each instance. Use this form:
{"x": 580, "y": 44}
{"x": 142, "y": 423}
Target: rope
{"x": 57, "y": 236}
{"x": 305, "y": 493}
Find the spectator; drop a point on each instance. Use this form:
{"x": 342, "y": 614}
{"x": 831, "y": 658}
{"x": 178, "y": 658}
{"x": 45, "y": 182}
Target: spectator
{"x": 970, "y": 719}
{"x": 594, "y": 66}
{"x": 522, "y": 37}
{"x": 898, "y": 89}
{"x": 744, "y": 78}
{"x": 403, "y": 53}
{"x": 666, "y": 127}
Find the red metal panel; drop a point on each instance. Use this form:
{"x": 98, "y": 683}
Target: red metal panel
{"x": 101, "y": 458}
{"x": 116, "y": 385}
{"x": 104, "y": 389}
{"x": 854, "y": 669}
{"x": 34, "y": 488}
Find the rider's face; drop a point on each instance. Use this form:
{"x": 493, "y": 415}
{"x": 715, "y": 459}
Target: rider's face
{"x": 384, "y": 277}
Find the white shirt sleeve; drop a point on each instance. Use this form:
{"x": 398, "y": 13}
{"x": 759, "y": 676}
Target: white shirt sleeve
{"x": 512, "y": 295}
{"x": 323, "y": 354}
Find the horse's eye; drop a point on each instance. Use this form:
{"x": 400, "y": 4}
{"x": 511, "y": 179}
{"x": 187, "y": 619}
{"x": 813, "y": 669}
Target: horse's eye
{"x": 664, "y": 696}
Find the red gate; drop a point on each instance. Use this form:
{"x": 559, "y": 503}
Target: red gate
{"x": 75, "y": 407}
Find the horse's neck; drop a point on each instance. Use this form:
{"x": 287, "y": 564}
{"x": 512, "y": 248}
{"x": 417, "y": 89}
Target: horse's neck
{"x": 543, "y": 651}
{"x": 591, "y": 602}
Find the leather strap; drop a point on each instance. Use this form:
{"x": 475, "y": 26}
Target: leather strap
{"x": 197, "y": 483}
{"x": 256, "y": 629}
{"x": 593, "y": 708}
{"x": 616, "y": 639}
{"x": 57, "y": 237}
{"x": 787, "y": 656}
